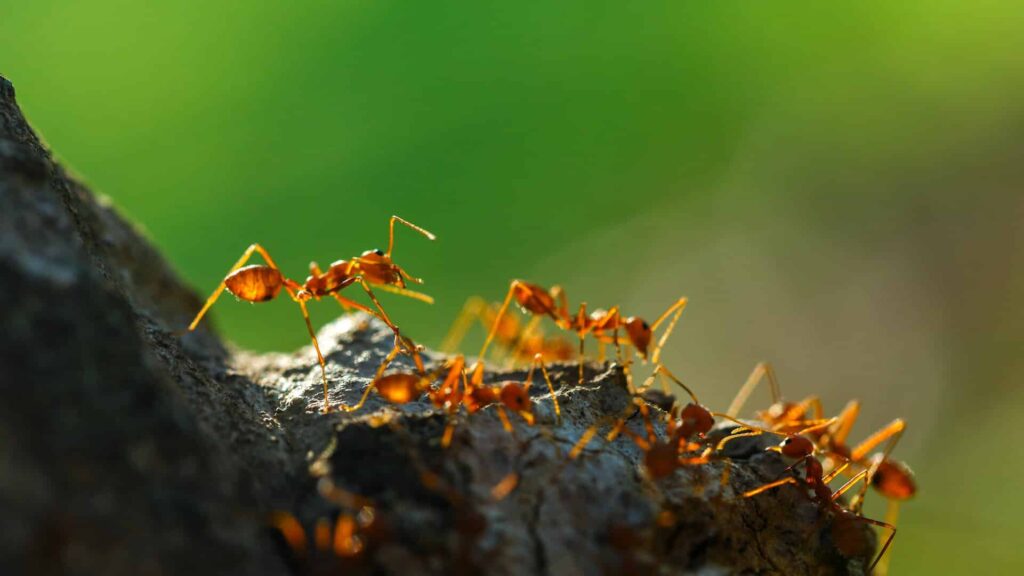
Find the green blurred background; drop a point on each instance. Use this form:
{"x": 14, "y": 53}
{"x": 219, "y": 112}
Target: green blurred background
{"x": 837, "y": 191}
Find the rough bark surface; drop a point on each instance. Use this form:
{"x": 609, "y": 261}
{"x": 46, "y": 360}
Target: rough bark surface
{"x": 126, "y": 449}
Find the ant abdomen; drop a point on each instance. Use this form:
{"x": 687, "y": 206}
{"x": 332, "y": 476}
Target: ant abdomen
{"x": 399, "y": 388}
{"x": 894, "y": 480}
{"x": 255, "y": 283}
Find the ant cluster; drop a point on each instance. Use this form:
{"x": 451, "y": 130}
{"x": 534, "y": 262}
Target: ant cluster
{"x": 674, "y": 435}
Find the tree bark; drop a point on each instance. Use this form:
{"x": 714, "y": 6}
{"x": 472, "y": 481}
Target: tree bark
{"x": 128, "y": 449}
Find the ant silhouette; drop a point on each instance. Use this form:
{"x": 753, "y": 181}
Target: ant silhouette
{"x": 263, "y": 282}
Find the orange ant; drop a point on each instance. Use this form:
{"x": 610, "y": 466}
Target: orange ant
{"x": 893, "y": 479}
{"x": 521, "y": 342}
{"x": 662, "y": 457}
{"x": 341, "y": 544}
{"x": 539, "y": 301}
{"x": 781, "y": 415}
{"x": 404, "y": 387}
{"x": 850, "y": 541}
{"x": 261, "y": 283}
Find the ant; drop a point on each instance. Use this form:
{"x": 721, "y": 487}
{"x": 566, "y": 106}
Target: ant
{"x": 539, "y": 301}
{"x": 263, "y": 282}
{"x": 893, "y": 479}
{"x": 662, "y": 457}
{"x": 521, "y": 342}
{"x": 781, "y": 415}
{"x": 338, "y": 544}
{"x": 850, "y": 541}
{"x": 512, "y": 395}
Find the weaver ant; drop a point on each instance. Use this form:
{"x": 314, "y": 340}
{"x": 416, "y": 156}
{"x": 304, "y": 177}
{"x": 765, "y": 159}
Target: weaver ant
{"x": 781, "y": 415}
{"x": 662, "y": 457}
{"x": 263, "y": 282}
{"x": 522, "y": 343}
{"x": 332, "y": 545}
{"x": 539, "y": 301}
{"x": 850, "y": 541}
{"x": 513, "y": 395}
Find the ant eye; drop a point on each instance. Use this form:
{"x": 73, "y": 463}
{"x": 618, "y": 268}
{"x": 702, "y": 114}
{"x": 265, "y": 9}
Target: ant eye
{"x": 787, "y": 442}
{"x": 378, "y": 251}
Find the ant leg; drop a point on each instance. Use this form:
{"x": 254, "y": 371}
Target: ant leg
{"x": 220, "y": 287}
{"x": 425, "y": 298}
{"x": 858, "y": 477}
{"x": 505, "y": 487}
{"x": 501, "y": 313}
{"x": 346, "y": 542}
{"x": 589, "y": 433}
{"x": 892, "y": 514}
{"x": 645, "y": 413}
{"x": 322, "y": 534}
{"x": 769, "y": 486}
{"x": 538, "y": 359}
{"x": 721, "y": 444}
{"x": 666, "y": 372}
{"x": 892, "y": 432}
{"x": 319, "y": 355}
{"x": 524, "y": 335}
{"x": 505, "y": 422}
{"x": 349, "y": 304}
{"x": 839, "y": 470}
{"x": 391, "y": 233}
{"x": 373, "y": 383}
{"x": 581, "y": 322}
{"x": 762, "y": 370}
{"x": 885, "y": 547}
{"x": 678, "y": 307}
{"x": 383, "y": 315}
{"x": 845, "y": 423}
{"x": 292, "y": 531}
{"x": 472, "y": 310}
{"x": 558, "y": 293}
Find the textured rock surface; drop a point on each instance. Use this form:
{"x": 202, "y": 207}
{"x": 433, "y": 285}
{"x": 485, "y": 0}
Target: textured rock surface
{"x": 125, "y": 449}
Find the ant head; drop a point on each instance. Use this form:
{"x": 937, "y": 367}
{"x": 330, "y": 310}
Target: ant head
{"x": 894, "y": 479}
{"x": 374, "y": 255}
{"x": 515, "y": 397}
{"x": 697, "y": 418}
{"x": 795, "y": 447}
{"x": 640, "y": 334}
{"x": 534, "y": 298}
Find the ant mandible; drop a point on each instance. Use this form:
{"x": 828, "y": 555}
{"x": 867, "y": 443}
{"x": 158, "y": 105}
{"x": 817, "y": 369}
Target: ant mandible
{"x": 263, "y": 282}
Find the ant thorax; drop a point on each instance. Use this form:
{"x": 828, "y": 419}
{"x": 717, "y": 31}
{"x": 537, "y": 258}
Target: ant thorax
{"x": 377, "y": 268}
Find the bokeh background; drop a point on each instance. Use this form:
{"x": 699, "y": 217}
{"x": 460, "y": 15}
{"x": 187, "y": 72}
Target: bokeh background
{"x": 837, "y": 191}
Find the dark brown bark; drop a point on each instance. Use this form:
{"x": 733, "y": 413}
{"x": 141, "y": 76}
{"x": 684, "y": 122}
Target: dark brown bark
{"x": 125, "y": 449}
